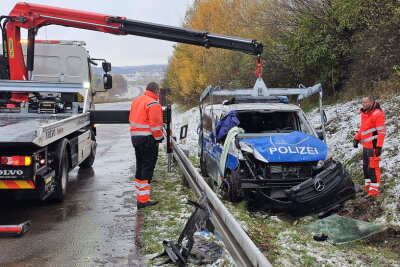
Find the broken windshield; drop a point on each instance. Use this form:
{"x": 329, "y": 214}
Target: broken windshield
{"x": 269, "y": 122}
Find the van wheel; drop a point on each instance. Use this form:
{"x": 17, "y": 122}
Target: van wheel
{"x": 88, "y": 162}
{"x": 61, "y": 179}
{"x": 231, "y": 187}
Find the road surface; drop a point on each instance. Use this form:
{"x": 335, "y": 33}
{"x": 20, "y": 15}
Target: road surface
{"x": 96, "y": 225}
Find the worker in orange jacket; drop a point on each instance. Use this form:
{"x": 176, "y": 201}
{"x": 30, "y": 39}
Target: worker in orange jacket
{"x": 371, "y": 134}
{"x": 146, "y": 121}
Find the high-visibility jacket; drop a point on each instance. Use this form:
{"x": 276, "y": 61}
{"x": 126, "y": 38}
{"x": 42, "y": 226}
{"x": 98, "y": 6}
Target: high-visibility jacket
{"x": 146, "y": 116}
{"x": 372, "y": 129}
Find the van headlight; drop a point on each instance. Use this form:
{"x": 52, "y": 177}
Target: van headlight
{"x": 323, "y": 163}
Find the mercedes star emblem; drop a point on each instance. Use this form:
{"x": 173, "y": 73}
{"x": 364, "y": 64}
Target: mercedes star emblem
{"x": 319, "y": 185}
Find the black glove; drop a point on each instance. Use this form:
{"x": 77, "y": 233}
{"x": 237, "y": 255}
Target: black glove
{"x": 355, "y": 143}
{"x": 159, "y": 141}
{"x": 378, "y": 151}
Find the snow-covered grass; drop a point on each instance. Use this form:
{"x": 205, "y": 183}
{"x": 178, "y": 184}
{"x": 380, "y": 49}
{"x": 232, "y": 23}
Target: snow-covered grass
{"x": 343, "y": 122}
{"x": 166, "y": 220}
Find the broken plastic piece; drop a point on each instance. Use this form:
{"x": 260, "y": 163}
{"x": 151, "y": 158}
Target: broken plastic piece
{"x": 179, "y": 252}
{"x": 320, "y": 237}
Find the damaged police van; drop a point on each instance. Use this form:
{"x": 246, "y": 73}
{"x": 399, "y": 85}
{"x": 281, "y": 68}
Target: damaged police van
{"x": 258, "y": 147}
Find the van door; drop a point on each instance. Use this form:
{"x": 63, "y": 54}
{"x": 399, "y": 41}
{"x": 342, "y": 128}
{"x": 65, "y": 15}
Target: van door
{"x": 212, "y": 150}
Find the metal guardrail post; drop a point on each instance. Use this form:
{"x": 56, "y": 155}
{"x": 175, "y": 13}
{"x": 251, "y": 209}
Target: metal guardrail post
{"x": 169, "y": 137}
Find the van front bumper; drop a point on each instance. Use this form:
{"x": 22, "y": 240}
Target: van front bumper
{"x": 328, "y": 189}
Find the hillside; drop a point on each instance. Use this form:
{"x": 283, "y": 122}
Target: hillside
{"x": 132, "y": 69}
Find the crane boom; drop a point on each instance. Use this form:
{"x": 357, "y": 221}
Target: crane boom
{"x": 33, "y": 16}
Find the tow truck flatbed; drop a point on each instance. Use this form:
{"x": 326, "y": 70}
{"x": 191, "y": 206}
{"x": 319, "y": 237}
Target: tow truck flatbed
{"x": 39, "y": 129}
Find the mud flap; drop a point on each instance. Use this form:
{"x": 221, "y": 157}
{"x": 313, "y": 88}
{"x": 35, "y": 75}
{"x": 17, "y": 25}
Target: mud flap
{"x": 179, "y": 252}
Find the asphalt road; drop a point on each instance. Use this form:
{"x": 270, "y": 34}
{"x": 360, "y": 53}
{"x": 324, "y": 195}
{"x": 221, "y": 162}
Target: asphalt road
{"x": 96, "y": 225}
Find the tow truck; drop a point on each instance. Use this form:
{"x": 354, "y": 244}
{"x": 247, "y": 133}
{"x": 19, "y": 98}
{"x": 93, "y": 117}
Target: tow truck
{"x": 47, "y": 115}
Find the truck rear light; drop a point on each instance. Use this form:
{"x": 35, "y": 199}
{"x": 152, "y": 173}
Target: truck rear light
{"x": 16, "y": 160}
{"x": 42, "y": 162}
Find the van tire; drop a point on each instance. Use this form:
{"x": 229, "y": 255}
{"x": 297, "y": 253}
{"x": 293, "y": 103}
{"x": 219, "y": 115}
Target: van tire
{"x": 232, "y": 187}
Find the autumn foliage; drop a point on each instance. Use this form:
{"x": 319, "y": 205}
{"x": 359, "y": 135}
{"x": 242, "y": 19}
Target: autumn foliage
{"x": 347, "y": 45}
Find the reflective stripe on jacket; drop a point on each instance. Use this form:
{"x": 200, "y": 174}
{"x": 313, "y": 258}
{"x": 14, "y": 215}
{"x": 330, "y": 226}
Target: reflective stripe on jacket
{"x": 372, "y": 128}
{"x": 146, "y": 116}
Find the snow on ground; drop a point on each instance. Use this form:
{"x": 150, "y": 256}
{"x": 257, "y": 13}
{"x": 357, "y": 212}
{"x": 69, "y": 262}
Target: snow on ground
{"x": 193, "y": 118}
{"x": 342, "y": 125}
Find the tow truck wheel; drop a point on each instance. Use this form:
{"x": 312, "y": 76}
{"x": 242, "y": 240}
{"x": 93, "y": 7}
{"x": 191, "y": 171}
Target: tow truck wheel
{"x": 88, "y": 162}
{"x": 62, "y": 179}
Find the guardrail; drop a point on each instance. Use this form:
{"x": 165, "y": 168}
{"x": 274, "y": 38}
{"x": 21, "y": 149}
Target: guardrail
{"x": 243, "y": 251}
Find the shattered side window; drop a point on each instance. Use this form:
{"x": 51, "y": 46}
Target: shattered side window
{"x": 305, "y": 127}
{"x": 341, "y": 230}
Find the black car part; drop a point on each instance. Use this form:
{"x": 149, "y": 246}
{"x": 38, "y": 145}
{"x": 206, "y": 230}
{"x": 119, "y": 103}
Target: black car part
{"x": 179, "y": 252}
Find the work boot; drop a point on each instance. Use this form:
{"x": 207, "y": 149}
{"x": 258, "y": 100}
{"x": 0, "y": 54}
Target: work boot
{"x": 373, "y": 193}
{"x": 146, "y": 204}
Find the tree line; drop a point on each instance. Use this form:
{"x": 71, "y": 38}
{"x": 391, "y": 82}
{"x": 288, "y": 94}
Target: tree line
{"x": 350, "y": 46}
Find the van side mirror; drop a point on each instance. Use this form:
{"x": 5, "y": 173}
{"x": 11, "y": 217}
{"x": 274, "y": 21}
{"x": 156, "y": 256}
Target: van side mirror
{"x": 107, "y": 81}
{"x": 106, "y": 66}
{"x": 320, "y": 135}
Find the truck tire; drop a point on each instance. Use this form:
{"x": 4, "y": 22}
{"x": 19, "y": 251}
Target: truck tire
{"x": 62, "y": 167}
{"x": 88, "y": 162}
{"x": 61, "y": 179}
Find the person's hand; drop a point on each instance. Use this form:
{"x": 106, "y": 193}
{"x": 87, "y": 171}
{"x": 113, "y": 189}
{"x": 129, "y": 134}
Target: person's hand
{"x": 378, "y": 151}
{"x": 355, "y": 143}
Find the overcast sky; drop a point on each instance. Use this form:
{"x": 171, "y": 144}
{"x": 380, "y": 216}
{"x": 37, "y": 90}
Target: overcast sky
{"x": 120, "y": 50}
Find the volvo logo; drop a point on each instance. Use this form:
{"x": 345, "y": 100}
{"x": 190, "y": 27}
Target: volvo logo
{"x": 11, "y": 172}
{"x": 319, "y": 185}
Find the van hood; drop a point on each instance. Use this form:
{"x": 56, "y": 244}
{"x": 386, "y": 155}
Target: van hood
{"x": 291, "y": 147}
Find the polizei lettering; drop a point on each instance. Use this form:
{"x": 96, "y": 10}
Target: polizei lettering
{"x": 301, "y": 150}
{"x": 11, "y": 172}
